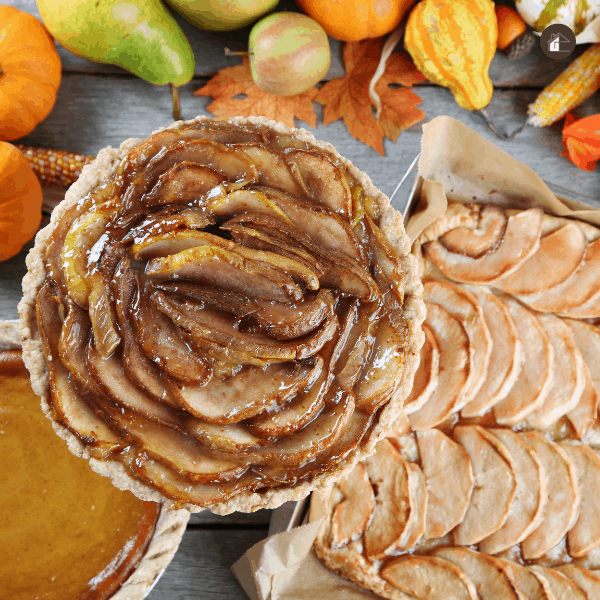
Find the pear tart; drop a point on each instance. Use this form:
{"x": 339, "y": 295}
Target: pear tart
{"x": 225, "y": 315}
{"x": 488, "y": 487}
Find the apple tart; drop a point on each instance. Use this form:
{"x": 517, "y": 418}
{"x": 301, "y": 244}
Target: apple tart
{"x": 489, "y": 486}
{"x": 225, "y": 315}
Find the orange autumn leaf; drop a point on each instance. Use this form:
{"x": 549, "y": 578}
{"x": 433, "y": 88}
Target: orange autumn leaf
{"x": 581, "y": 138}
{"x": 348, "y": 97}
{"x": 235, "y": 81}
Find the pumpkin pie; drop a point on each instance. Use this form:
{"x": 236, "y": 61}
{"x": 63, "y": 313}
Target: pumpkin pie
{"x": 66, "y": 531}
{"x": 501, "y": 428}
{"x": 224, "y": 315}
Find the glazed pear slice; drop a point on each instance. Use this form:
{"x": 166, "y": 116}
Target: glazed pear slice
{"x": 494, "y": 488}
{"x": 505, "y": 359}
{"x": 426, "y": 377}
{"x": 563, "y": 496}
{"x": 175, "y": 242}
{"x": 560, "y": 585}
{"x": 295, "y": 414}
{"x": 183, "y": 183}
{"x": 393, "y": 482}
{"x": 179, "y": 489}
{"x": 429, "y": 578}
{"x": 232, "y": 438}
{"x": 161, "y": 342}
{"x": 248, "y": 393}
{"x": 72, "y": 410}
{"x": 575, "y": 291}
{"x": 384, "y": 368}
{"x": 490, "y": 576}
{"x": 212, "y": 265}
{"x": 482, "y": 239}
{"x": 464, "y": 306}
{"x": 449, "y": 476}
{"x": 454, "y": 367}
{"x": 532, "y": 385}
{"x": 558, "y": 257}
{"x": 168, "y": 219}
{"x": 530, "y": 586}
{"x": 110, "y": 376}
{"x": 272, "y": 170}
{"x": 240, "y": 202}
{"x": 584, "y": 536}
{"x": 526, "y": 510}
{"x": 351, "y": 516}
{"x": 220, "y": 328}
{"x": 521, "y": 240}
{"x": 324, "y": 181}
{"x": 569, "y": 376}
{"x": 586, "y": 580}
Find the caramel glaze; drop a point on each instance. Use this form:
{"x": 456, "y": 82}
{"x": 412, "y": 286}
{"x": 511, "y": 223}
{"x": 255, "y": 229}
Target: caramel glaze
{"x": 66, "y": 532}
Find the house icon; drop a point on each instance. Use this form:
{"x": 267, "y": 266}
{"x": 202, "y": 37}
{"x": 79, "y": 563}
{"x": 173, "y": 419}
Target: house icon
{"x": 555, "y": 41}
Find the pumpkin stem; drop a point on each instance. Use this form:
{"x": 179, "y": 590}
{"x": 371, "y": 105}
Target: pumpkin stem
{"x": 503, "y": 136}
{"x": 229, "y": 52}
{"x": 176, "y": 103}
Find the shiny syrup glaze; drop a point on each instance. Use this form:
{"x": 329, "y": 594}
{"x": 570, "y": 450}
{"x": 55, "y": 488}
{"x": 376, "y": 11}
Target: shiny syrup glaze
{"x": 66, "y": 532}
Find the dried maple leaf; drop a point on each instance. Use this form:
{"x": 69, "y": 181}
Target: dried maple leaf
{"x": 231, "y": 82}
{"x": 581, "y": 138}
{"x": 348, "y": 97}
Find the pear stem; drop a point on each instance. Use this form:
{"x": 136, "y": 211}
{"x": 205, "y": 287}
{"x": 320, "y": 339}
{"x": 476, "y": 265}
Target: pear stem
{"x": 176, "y": 103}
{"x": 229, "y": 52}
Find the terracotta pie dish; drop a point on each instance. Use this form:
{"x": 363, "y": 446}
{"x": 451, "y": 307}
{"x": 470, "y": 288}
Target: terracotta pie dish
{"x": 67, "y": 532}
{"x": 228, "y": 315}
{"x": 489, "y": 487}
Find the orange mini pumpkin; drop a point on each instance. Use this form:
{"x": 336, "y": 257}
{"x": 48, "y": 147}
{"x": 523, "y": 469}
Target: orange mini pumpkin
{"x": 20, "y": 201}
{"x": 355, "y": 20}
{"x": 30, "y": 71}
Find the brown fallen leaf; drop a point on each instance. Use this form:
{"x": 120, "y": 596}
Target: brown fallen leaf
{"x": 348, "y": 97}
{"x": 235, "y": 81}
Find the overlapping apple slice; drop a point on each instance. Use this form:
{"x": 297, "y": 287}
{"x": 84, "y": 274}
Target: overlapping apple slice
{"x": 426, "y": 377}
{"x": 530, "y": 586}
{"x": 532, "y": 385}
{"x": 563, "y": 496}
{"x": 520, "y": 241}
{"x": 585, "y": 579}
{"x": 560, "y": 585}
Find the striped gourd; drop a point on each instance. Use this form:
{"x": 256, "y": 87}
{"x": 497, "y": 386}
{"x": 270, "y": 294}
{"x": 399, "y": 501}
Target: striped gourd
{"x": 574, "y": 85}
{"x": 452, "y": 43}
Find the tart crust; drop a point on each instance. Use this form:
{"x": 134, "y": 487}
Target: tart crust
{"x": 170, "y": 525}
{"x": 391, "y": 225}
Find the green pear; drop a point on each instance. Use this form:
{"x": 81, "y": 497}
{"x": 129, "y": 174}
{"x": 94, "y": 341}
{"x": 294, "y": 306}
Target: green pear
{"x": 222, "y": 15}
{"x": 138, "y": 35}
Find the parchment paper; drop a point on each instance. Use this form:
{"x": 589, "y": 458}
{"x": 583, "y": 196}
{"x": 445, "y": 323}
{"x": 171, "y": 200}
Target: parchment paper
{"x": 457, "y": 164}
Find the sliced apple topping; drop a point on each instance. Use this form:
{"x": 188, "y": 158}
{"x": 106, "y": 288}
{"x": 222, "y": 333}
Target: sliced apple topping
{"x": 429, "y": 578}
{"x": 569, "y": 376}
{"x": 505, "y": 359}
{"x": 526, "y": 510}
{"x": 530, "y": 586}
{"x": 583, "y": 578}
{"x": 230, "y": 438}
{"x": 352, "y": 515}
{"x": 560, "y": 585}
{"x": 563, "y": 496}
{"x": 480, "y": 240}
{"x": 426, "y": 377}
{"x": 449, "y": 476}
{"x": 532, "y": 385}
{"x": 520, "y": 241}
{"x": 494, "y": 488}
{"x": 454, "y": 367}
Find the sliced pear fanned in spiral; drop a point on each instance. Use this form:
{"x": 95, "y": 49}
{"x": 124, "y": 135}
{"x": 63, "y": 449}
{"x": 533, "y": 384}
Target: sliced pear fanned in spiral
{"x": 558, "y": 257}
{"x": 352, "y": 515}
{"x": 563, "y": 496}
{"x": 520, "y": 241}
{"x": 449, "y": 475}
{"x": 453, "y": 343}
{"x": 532, "y": 385}
{"x": 230, "y": 438}
{"x": 429, "y": 578}
{"x": 569, "y": 375}
{"x": 494, "y": 488}
{"x": 168, "y": 219}
{"x": 505, "y": 359}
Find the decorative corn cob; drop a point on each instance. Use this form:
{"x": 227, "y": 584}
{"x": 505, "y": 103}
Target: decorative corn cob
{"x": 56, "y": 167}
{"x": 574, "y": 85}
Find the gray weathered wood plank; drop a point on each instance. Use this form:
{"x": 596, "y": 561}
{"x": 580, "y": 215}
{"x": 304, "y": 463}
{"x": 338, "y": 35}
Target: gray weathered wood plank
{"x": 260, "y": 518}
{"x": 200, "y": 569}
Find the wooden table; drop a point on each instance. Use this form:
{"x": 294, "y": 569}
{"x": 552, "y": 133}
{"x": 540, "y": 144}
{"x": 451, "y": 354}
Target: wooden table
{"x": 100, "y": 105}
